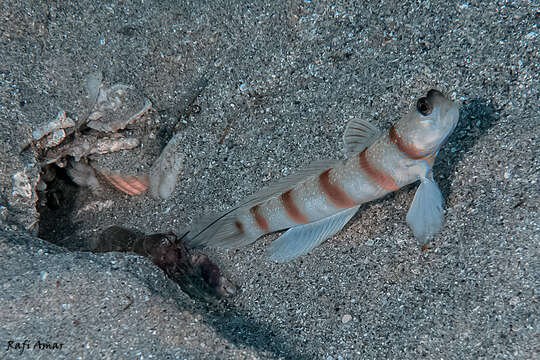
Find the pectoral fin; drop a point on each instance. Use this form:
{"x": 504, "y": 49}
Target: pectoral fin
{"x": 425, "y": 216}
{"x": 301, "y": 239}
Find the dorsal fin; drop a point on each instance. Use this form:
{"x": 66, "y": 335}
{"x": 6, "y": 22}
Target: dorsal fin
{"x": 286, "y": 183}
{"x": 359, "y": 134}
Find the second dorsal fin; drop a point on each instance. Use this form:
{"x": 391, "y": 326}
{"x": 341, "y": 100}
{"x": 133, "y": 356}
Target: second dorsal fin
{"x": 288, "y": 182}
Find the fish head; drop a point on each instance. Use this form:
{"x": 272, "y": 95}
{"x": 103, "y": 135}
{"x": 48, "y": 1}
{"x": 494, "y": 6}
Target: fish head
{"x": 430, "y": 123}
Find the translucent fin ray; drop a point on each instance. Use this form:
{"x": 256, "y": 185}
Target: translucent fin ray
{"x": 425, "y": 216}
{"x": 223, "y": 233}
{"x": 300, "y": 240}
{"x": 358, "y": 135}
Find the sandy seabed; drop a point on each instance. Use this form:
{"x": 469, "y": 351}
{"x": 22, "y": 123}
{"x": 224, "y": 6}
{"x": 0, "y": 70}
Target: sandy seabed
{"x": 273, "y": 85}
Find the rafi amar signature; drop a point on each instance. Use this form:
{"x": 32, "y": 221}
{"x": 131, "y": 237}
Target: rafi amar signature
{"x": 26, "y": 345}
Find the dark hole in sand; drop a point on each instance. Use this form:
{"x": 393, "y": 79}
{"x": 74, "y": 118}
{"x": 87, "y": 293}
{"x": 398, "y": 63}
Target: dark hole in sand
{"x": 58, "y": 199}
{"x": 55, "y": 204}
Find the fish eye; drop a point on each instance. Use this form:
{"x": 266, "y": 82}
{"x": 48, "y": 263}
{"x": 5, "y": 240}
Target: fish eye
{"x": 423, "y": 106}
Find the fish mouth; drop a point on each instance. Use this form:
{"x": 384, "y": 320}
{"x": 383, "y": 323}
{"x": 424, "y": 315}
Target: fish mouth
{"x": 437, "y": 99}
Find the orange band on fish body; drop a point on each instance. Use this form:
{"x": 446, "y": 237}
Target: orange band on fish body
{"x": 239, "y": 226}
{"x": 259, "y": 219}
{"x": 291, "y": 209}
{"x": 333, "y": 192}
{"x": 380, "y": 177}
{"x": 430, "y": 159}
{"x": 408, "y": 149}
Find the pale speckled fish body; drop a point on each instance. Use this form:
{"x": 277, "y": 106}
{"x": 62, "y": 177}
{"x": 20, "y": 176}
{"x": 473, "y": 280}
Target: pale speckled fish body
{"x": 317, "y": 203}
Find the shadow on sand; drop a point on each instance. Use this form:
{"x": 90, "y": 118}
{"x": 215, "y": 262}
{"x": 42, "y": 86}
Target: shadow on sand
{"x": 234, "y": 324}
{"x": 476, "y": 117}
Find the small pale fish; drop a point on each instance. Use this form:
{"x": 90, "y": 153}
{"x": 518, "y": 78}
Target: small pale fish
{"x": 317, "y": 202}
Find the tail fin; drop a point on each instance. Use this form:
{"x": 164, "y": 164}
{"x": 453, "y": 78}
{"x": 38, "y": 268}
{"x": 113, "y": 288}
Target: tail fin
{"x": 226, "y": 232}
